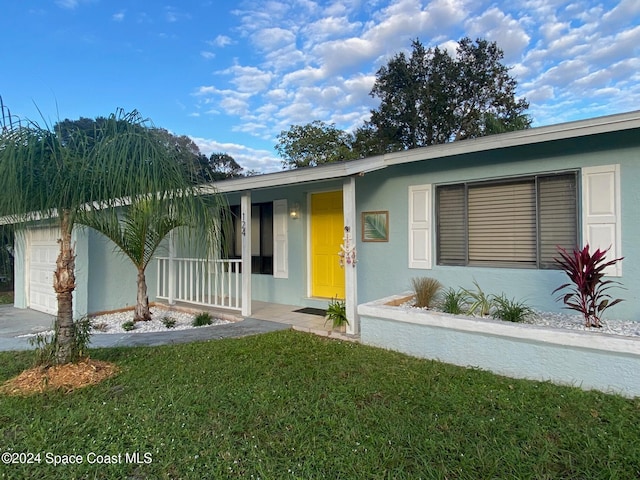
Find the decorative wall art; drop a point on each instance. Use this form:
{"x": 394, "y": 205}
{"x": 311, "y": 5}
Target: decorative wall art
{"x": 375, "y": 226}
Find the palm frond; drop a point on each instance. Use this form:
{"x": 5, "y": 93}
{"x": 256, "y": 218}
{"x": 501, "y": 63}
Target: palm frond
{"x": 375, "y": 227}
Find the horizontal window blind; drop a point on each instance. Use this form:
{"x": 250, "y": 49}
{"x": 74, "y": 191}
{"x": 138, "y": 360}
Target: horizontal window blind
{"x": 557, "y": 216}
{"x": 501, "y": 223}
{"x": 518, "y": 222}
{"x": 452, "y": 234}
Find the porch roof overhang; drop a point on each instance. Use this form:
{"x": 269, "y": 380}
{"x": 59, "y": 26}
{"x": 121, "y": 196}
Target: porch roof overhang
{"x": 320, "y": 173}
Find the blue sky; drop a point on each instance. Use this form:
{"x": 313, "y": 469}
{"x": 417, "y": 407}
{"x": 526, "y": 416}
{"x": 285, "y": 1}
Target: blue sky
{"x": 232, "y": 75}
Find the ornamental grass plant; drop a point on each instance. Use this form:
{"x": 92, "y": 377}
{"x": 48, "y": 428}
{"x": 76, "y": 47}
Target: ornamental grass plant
{"x": 426, "y": 291}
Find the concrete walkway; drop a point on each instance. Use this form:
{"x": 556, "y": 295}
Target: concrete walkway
{"x": 18, "y": 325}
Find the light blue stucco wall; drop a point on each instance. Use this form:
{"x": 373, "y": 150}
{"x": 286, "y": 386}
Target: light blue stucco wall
{"x": 111, "y": 276}
{"x": 608, "y": 370}
{"x": 383, "y": 267}
{"x": 80, "y": 241}
{"x": 19, "y": 270}
{"x": 105, "y": 278}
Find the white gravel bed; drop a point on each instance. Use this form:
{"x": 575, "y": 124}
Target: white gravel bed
{"x": 571, "y": 321}
{"x": 112, "y": 322}
{"x": 576, "y": 322}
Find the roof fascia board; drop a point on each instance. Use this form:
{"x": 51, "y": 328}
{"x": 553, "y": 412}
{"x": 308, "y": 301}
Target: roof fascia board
{"x": 562, "y": 131}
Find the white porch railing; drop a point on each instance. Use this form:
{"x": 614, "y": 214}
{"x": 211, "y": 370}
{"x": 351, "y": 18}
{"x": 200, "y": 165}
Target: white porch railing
{"x": 215, "y": 283}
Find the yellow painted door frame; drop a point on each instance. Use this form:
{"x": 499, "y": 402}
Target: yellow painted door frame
{"x": 326, "y": 232}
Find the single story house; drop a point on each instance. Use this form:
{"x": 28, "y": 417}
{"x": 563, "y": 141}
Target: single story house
{"x": 490, "y": 210}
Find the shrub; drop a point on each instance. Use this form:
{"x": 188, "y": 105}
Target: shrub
{"x": 587, "y": 295}
{"x": 510, "y": 310}
{"x": 453, "y": 301}
{"x": 426, "y": 290}
{"x": 169, "y": 322}
{"x": 128, "y": 326}
{"x": 202, "y": 319}
{"x": 46, "y": 354}
{"x": 337, "y": 313}
{"x": 479, "y": 302}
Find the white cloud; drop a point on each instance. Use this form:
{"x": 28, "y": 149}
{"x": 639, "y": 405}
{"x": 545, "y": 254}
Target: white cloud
{"x": 221, "y": 41}
{"x": 250, "y": 80}
{"x": 496, "y": 26}
{"x": 554, "y": 29}
{"x": 248, "y": 158}
{"x": 540, "y": 94}
{"x": 284, "y": 59}
{"x": 234, "y": 104}
{"x": 313, "y": 60}
{"x": 621, "y": 13}
{"x": 118, "y": 17}
{"x": 277, "y": 95}
{"x": 328, "y": 28}
{"x": 230, "y": 101}
{"x": 306, "y": 76}
{"x": 269, "y": 39}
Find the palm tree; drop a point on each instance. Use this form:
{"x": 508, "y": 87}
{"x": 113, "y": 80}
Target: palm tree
{"x": 139, "y": 231}
{"x": 59, "y": 175}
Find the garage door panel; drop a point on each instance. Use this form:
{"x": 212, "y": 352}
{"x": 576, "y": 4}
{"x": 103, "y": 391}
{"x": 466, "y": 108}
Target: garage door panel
{"x": 43, "y": 253}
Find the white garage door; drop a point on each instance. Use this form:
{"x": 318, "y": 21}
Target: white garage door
{"x": 43, "y": 252}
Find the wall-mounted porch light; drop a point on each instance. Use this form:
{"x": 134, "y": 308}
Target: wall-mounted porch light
{"x": 294, "y": 211}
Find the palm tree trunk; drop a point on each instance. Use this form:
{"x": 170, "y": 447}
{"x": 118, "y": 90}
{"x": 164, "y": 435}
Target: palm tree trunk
{"x": 64, "y": 282}
{"x": 142, "y": 312}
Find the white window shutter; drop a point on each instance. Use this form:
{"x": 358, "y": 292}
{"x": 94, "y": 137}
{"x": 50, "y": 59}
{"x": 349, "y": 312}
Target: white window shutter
{"x": 601, "y": 212}
{"x": 280, "y": 239}
{"x": 420, "y": 226}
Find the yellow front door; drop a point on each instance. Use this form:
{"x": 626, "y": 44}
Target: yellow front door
{"x": 327, "y": 224}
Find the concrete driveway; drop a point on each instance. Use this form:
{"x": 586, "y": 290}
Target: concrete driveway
{"x": 18, "y": 325}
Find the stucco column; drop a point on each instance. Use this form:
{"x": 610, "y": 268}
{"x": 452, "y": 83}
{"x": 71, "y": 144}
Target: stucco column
{"x": 21, "y": 268}
{"x": 245, "y": 226}
{"x": 351, "y": 270}
{"x": 172, "y": 270}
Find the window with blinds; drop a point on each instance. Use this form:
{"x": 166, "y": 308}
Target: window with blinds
{"x": 516, "y": 222}
{"x": 451, "y": 205}
{"x": 557, "y": 216}
{"x": 502, "y": 223}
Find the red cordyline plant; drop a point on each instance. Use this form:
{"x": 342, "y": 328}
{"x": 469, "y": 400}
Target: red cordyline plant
{"x": 587, "y": 294}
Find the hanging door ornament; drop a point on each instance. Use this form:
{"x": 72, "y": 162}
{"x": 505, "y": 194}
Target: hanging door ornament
{"x": 347, "y": 251}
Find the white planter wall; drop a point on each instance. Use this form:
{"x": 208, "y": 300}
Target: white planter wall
{"x": 589, "y": 360}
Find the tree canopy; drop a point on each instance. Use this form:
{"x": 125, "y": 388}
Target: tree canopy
{"x": 427, "y": 98}
{"x": 223, "y": 165}
{"x": 201, "y": 169}
{"x": 433, "y": 97}
{"x": 314, "y": 144}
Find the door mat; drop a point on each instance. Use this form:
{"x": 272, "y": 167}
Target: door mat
{"x": 312, "y": 311}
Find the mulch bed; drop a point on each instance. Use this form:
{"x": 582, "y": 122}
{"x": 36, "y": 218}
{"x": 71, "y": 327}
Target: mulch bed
{"x": 66, "y": 377}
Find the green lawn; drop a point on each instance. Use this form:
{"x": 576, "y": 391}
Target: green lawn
{"x": 293, "y": 405}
